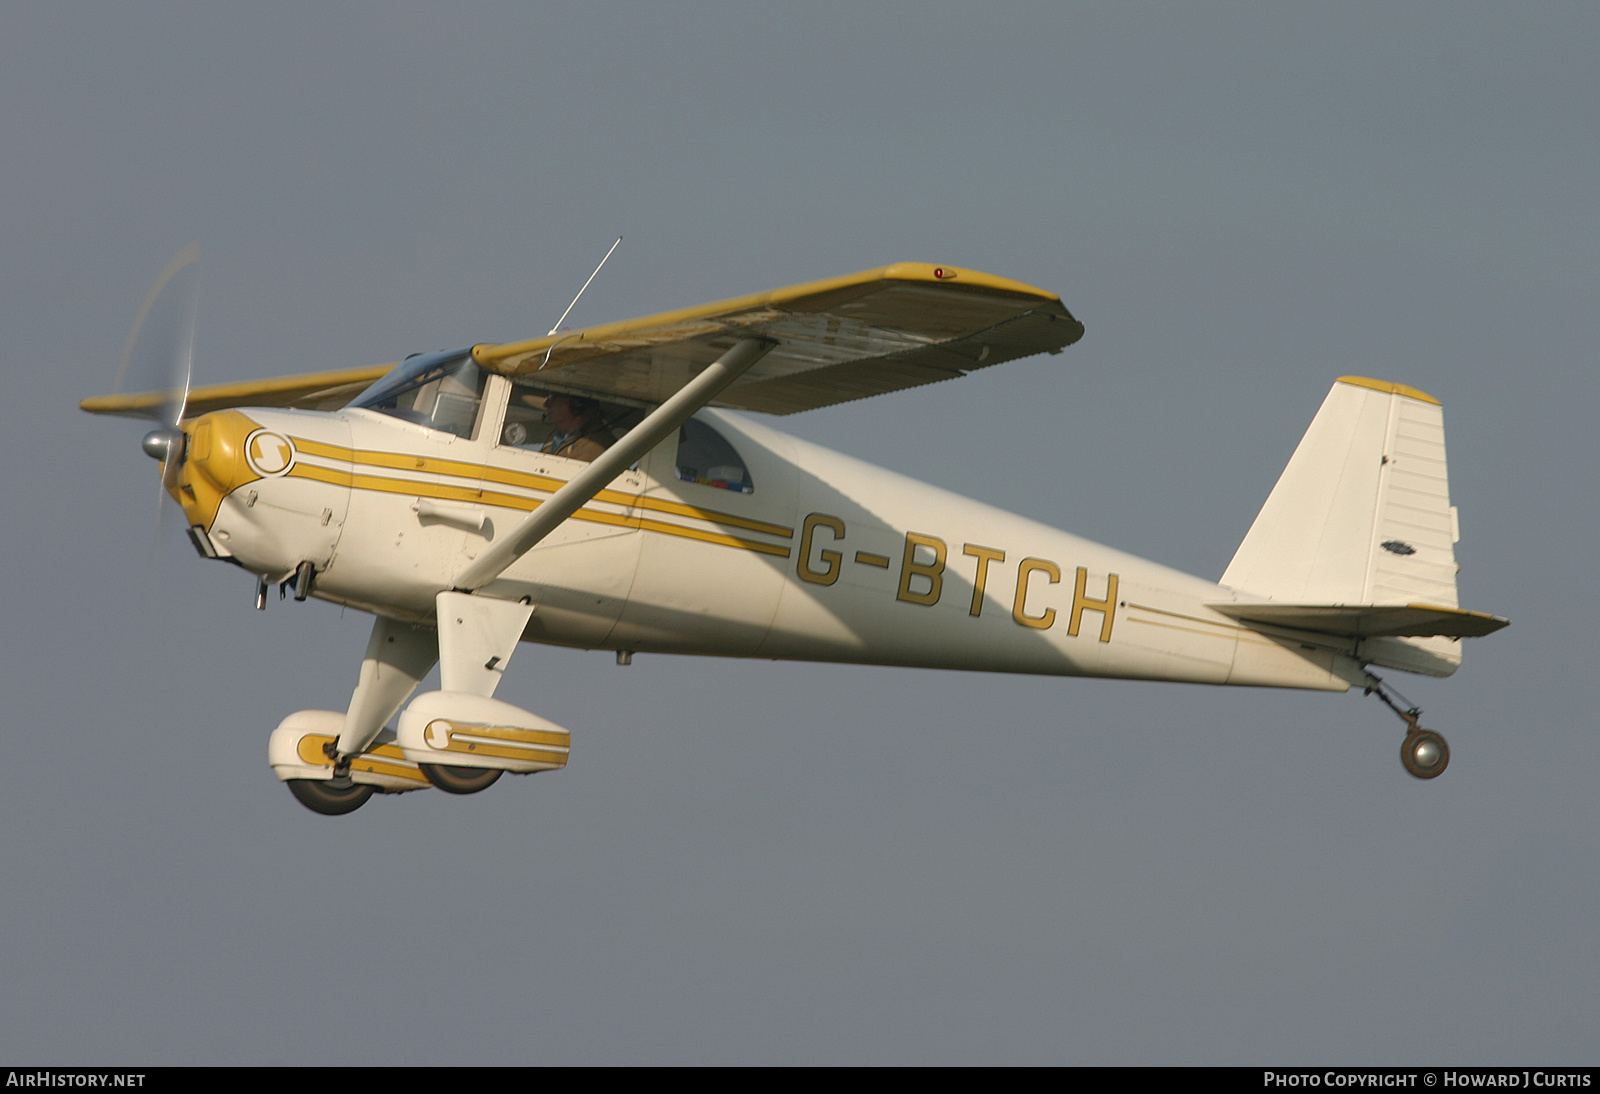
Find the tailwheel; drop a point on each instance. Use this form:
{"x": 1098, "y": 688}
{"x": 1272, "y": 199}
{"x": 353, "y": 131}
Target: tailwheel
{"x": 1425, "y": 754}
{"x": 321, "y": 796}
{"x": 460, "y": 780}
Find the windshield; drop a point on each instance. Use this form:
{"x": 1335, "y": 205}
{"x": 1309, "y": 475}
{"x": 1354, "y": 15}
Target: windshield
{"x": 437, "y": 390}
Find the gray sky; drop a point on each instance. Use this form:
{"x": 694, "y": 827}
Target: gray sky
{"x": 758, "y": 862}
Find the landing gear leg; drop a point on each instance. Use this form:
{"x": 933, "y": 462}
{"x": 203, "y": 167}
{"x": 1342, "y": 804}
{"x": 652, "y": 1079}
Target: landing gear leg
{"x": 398, "y": 657}
{"x": 1424, "y": 754}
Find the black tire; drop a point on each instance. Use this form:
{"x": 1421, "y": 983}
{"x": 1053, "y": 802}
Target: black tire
{"x": 1425, "y": 754}
{"x": 461, "y": 780}
{"x": 320, "y": 796}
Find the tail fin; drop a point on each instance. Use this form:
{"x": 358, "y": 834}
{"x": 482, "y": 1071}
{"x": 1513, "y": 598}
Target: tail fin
{"x": 1362, "y": 516}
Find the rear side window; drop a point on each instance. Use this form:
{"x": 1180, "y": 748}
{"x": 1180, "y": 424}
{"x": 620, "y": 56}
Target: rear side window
{"x": 705, "y": 457}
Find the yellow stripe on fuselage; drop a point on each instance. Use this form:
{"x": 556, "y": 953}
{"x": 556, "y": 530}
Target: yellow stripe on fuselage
{"x": 529, "y": 481}
{"x": 506, "y": 477}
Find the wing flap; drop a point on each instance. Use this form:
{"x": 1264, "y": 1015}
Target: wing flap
{"x": 846, "y": 338}
{"x": 1369, "y": 620}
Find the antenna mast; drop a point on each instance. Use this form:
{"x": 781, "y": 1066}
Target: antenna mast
{"x": 586, "y": 284}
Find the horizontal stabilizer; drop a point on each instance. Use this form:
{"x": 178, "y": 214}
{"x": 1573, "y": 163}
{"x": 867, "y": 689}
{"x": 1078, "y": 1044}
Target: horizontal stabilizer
{"x": 1369, "y": 620}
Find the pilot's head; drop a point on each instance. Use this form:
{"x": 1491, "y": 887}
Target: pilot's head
{"x": 569, "y": 413}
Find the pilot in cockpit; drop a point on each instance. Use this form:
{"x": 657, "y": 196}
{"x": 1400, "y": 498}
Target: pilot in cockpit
{"x": 581, "y": 432}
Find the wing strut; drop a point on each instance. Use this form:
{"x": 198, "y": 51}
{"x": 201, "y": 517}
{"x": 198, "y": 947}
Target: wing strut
{"x": 629, "y": 450}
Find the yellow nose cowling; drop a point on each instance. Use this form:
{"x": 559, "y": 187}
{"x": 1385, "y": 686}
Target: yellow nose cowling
{"x": 214, "y": 464}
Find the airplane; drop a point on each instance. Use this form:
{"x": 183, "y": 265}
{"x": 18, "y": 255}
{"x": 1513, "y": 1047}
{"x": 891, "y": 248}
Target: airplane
{"x": 599, "y": 488}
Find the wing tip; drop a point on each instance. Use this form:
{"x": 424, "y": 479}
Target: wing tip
{"x": 959, "y": 276}
{"x": 133, "y": 405}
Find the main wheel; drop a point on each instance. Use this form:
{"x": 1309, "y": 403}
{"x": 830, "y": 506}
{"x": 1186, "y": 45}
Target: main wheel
{"x": 1425, "y": 754}
{"x": 460, "y": 780}
{"x": 319, "y": 796}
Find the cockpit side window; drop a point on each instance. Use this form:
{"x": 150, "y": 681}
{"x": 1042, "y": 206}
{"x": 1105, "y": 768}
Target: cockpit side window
{"x": 438, "y": 390}
{"x": 572, "y": 426}
{"x": 525, "y": 425}
{"x": 705, "y": 457}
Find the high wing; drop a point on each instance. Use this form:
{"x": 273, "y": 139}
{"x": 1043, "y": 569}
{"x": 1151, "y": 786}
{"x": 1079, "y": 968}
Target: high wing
{"x": 837, "y": 340}
{"x": 841, "y": 339}
{"x": 308, "y": 391}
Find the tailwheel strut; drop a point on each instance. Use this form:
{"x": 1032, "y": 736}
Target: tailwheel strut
{"x": 1424, "y": 753}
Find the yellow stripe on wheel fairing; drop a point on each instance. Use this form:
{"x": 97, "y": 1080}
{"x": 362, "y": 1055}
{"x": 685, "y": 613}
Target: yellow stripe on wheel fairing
{"x": 311, "y": 751}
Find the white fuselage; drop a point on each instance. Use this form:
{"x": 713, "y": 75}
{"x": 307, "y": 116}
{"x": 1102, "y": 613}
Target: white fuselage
{"x": 826, "y": 559}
